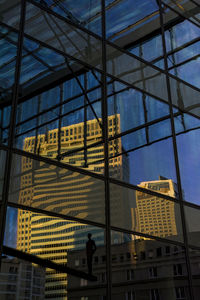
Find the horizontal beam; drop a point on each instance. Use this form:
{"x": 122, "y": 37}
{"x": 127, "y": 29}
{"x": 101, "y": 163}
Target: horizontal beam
{"x": 47, "y": 263}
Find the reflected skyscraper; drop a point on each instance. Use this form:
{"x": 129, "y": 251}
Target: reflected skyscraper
{"x": 156, "y": 216}
{"x": 69, "y": 193}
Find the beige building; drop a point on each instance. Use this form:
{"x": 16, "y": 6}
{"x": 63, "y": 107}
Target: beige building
{"x": 69, "y": 193}
{"x": 141, "y": 269}
{"x": 21, "y": 280}
{"x": 154, "y": 215}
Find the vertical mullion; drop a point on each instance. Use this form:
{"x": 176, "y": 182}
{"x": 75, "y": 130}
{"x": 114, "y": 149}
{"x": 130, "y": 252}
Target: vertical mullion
{"x": 85, "y": 122}
{"x": 12, "y": 124}
{"x": 60, "y": 120}
{"x": 37, "y": 128}
{"x": 105, "y": 139}
{"x": 176, "y": 153}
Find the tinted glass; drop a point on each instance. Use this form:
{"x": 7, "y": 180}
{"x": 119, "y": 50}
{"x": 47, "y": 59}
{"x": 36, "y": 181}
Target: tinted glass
{"x": 146, "y": 213}
{"x": 50, "y": 188}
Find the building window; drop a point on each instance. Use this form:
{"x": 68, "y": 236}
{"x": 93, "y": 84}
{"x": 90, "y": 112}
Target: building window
{"x": 130, "y": 295}
{"x": 153, "y": 272}
{"x": 103, "y": 277}
{"x": 167, "y": 250}
{"x": 130, "y": 274}
{"x": 154, "y": 294}
{"x": 177, "y": 270}
{"x": 83, "y": 282}
{"x": 142, "y": 255}
{"x": 159, "y": 252}
{"x": 180, "y": 293}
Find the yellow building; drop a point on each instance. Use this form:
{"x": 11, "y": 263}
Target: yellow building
{"x": 60, "y": 190}
{"x": 154, "y": 215}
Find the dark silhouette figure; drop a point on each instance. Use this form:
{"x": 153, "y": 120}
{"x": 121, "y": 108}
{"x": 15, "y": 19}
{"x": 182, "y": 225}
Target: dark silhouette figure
{"x": 90, "y": 250}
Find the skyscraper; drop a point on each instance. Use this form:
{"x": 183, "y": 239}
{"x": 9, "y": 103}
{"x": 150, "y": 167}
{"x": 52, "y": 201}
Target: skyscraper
{"x": 65, "y": 192}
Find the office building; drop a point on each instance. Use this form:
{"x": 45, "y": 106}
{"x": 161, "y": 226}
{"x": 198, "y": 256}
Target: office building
{"x": 97, "y": 100}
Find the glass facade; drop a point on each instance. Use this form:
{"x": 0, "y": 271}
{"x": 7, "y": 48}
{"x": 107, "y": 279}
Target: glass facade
{"x": 99, "y": 149}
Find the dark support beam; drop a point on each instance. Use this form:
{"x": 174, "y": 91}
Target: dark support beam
{"x": 47, "y": 263}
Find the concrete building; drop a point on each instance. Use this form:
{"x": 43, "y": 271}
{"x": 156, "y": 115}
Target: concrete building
{"x": 21, "y": 280}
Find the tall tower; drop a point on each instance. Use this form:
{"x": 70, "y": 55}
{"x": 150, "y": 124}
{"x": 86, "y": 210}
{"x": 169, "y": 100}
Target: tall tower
{"x": 154, "y": 215}
{"x": 55, "y": 189}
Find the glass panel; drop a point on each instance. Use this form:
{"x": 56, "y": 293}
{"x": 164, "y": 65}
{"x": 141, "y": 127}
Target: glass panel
{"x": 8, "y": 45}
{"x": 58, "y": 240}
{"x": 84, "y": 13}
{"x": 10, "y": 12}
{"x": 142, "y": 269}
{"x": 124, "y": 20}
{"x": 47, "y": 187}
{"x": 144, "y": 161}
{"x": 2, "y": 164}
{"x": 62, "y": 119}
{"x": 22, "y": 278}
{"x": 188, "y": 145}
{"x": 5, "y": 123}
{"x": 192, "y": 223}
{"x": 145, "y": 213}
{"x": 132, "y": 71}
{"x": 149, "y": 48}
{"x": 91, "y": 159}
{"x": 132, "y": 108}
{"x": 42, "y": 67}
{"x": 195, "y": 269}
{"x": 182, "y": 43}
{"x": 62, "y": 36}
{"x": 188, "y": 8}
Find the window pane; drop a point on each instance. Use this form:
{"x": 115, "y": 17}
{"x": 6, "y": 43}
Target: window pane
{"x": 132, "y": 71}
{"x": 10, "y": 12}
{"x": 192, "y": 223}
{"x": 19, "y": 277}
{"x": 2, "y": 163}
{"x": 47, "y": 187}
{"x": 195, "y": 269}
{"x": 62, "y": 36}
{"x": 60, "y": 241}
{"x": 84, "y": 13}
{"x": 135, "y": 258}
{"x": 188, "y": 144}
{"x": 145, "y": 213}
{"x": 132, "y": 108}
{"x": 146, "y": 161}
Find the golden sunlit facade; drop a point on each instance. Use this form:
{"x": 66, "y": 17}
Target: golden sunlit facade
{"x": 52, "y": 188}
{"x": 155, "y": 216}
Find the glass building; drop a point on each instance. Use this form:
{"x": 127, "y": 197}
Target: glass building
{"x": 100, "y": 134}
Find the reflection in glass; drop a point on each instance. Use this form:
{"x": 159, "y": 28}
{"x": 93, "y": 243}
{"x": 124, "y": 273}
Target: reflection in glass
{"x": 84, "y": 13}
{"x": 2, "y": 164}
{"x": 147, "y": 269}
{"x": 132, "y": 71}
{"x": 188, "y": 144}
{"x": 8, "y": 46}
{"x": 19, "y": 277}
{"x": 144, "y": 161}
{"x": 122, "y": 19}
{"x": 192, "y": 224}
{"x": 10, "y": 12}
{"x": 145, "y": 213}
{"x": 62, "y": 36}
{"x": 61, "y": 241}
{"x": 47, "y": 187}
{"x": 195, "y": 270}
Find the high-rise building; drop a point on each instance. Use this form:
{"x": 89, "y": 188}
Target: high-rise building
{"x": 71, "y": 194}
{"x": 157, "y": 216}
{"x": 21, "y": 280}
